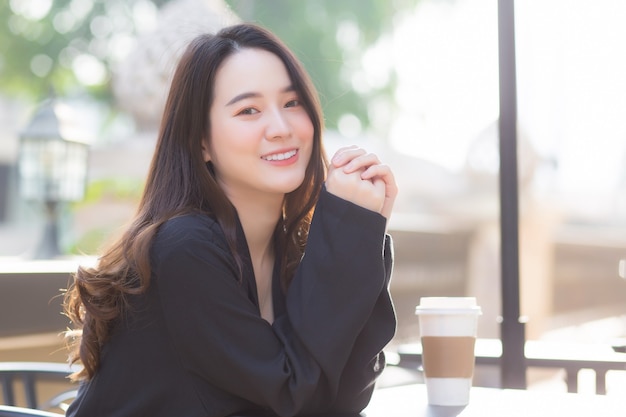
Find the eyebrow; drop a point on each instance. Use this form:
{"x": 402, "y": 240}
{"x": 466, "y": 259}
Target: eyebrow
{"x": 252, "y": 94}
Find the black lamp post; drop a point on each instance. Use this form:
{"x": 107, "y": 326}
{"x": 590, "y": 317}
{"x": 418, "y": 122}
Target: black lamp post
{"x": 52, "y": 167}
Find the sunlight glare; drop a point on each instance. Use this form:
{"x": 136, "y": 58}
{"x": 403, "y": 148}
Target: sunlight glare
{"x": 348, "y": 35}
{"x": 446, "y": 59}
{"x": 81, "y": 8}
{"x": 377, "y": 63}
{"x": 145, "y": 16}
{"x": 101, "y": 27}
{"x": 41, "y": 65}
{"x": 64, "y": 22}
{"x": 571, "y": 89}
{"x": 349, "y": 126}
{"x": 89, "y": 70}
{"x": 31, "y": 9}
{"x": 120, "y": 46}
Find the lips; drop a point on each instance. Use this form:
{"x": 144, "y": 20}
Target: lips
{"x": 280, "y": 156}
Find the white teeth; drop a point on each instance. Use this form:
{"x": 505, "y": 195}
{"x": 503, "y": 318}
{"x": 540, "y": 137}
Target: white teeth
{"x": 280, "y": 156}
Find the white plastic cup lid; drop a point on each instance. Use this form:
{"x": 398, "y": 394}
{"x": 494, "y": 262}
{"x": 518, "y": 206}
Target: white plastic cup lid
{"x": 447, "y": 305}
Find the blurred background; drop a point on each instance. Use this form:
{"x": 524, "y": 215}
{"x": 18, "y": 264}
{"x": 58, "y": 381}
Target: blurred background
{"x": 414, "y": 80}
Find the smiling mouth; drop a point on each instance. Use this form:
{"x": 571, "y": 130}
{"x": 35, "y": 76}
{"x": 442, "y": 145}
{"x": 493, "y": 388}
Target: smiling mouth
{"x": 280, "y": 156}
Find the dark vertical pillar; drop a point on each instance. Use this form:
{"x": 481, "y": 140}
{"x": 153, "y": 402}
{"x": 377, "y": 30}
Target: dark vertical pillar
{"x": 513, "y": 367}
{"x": 5, "y": 171}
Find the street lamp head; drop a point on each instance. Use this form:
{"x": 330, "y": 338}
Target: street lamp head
{"x": 52, "y": 156}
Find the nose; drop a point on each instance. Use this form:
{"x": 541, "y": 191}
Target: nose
{"x": 278, "y": 126}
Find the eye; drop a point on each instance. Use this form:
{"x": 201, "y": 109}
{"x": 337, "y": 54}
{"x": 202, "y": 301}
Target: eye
{"x": 248, "y": 111}
{"x": 293, "y": 103}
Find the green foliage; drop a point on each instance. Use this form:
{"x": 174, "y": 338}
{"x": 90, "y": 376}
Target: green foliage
{"x": 91, "y": 242}
{"x": 113, "y": 188}
{"x": 39, "y": 45}
{"x": 311, "y": 28}
{"x": 41, "y": 40}
{"x": 99, "y": 192}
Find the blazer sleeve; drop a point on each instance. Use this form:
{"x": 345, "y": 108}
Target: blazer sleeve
{"x": 296, "y": 364}
{"x": 355, "y": 316}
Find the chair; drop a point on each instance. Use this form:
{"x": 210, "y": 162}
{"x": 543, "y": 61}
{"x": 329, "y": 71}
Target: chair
{"x": 10, "y": 411}
{"x": 29, "y": 374}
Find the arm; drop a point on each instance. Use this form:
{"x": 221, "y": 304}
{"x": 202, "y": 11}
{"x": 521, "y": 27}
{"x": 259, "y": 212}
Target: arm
{"x": 367, "y": 361}
{"x": 359, "y": 177}
{"x": 341, "y": 280}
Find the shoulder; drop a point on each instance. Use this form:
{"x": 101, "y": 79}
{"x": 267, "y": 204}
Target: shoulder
{"x": 188, "y": 223}
{"x": 188, "y": 231}
{"x": 192, "y": 246}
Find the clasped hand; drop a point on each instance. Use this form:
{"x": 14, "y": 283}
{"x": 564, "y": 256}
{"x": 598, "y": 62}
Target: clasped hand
{"x": 360, "y": 177}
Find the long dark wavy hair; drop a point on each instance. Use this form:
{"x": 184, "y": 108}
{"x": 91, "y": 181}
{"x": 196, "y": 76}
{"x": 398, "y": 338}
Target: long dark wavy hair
{"x": 180, "y": 182}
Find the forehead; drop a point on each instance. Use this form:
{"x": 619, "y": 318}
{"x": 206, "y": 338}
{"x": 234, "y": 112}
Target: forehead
{"x": 250, "y": 70}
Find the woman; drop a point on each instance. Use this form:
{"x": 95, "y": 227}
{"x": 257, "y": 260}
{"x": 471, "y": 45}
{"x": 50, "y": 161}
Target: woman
{"x": 252, "y": 281}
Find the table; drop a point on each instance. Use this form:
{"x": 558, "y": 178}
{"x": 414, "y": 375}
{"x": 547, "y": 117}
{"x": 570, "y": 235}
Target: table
{"x": 411, "y": 401}
{"x": 572, "y": 357}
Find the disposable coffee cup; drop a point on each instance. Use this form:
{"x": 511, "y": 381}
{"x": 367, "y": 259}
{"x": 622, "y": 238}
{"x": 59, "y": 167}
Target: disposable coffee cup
{"x": 448, "y": 327}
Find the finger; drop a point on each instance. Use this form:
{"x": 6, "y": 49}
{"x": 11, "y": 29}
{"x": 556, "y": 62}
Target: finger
{"x": 378, "y": 170}
{"x": 379, "y": 185}
{"x": 361, "y": 162}
{"x": 380, "y": 190}
{"x": 329, "y": 170}
{"x": 346, "y": 154}
{"x": 342, "y": 150}
{"x": 383, "y": 173}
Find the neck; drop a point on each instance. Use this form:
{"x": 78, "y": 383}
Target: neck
{"x": 258, "y": 218}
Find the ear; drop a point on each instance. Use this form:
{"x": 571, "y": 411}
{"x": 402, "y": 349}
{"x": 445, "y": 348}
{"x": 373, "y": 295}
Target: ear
{"x": 205, "y": 150}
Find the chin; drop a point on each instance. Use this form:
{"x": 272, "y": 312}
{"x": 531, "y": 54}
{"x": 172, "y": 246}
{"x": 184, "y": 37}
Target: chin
{"x": 289, "y": 186}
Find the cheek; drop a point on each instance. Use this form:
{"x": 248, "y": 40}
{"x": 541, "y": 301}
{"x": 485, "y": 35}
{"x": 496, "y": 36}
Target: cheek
{"x": 306, "y": 130}
{"x": 229, "y": 139}
{"x": 306, "y": 133}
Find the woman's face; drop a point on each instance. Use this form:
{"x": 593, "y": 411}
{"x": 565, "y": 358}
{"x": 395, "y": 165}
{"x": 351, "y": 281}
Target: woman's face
{"x": 261, "y": 137}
